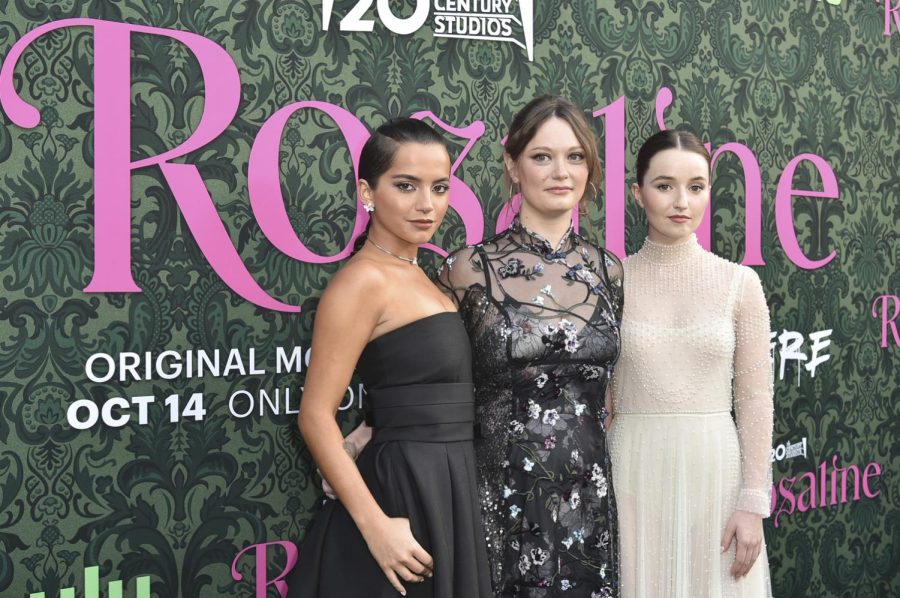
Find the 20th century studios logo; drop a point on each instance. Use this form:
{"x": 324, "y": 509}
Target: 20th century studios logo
{"x": 493, "y": 20}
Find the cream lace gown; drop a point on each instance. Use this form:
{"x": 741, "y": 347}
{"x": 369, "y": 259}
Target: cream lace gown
{"x": 695, "y": 346}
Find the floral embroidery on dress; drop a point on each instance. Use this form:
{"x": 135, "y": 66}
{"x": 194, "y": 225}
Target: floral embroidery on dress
{"x": 563, "y": 334}
{"x": 544, "y": 326}
{"x": 516, "y": 267}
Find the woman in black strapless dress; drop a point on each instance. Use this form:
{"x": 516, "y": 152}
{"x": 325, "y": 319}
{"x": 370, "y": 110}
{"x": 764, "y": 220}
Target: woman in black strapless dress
{"x": 407, "y": 518}
{"x": 420, "y": 464}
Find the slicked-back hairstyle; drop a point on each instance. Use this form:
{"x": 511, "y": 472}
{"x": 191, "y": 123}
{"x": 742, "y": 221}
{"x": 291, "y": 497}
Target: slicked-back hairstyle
{"x": 379, "y": 150}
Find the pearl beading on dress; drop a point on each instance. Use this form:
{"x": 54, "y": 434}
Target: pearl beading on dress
{"x": 695, "y": 346}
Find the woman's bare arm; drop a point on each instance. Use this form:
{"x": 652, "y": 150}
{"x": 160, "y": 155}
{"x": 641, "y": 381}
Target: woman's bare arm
{"x": 348, "y": 313}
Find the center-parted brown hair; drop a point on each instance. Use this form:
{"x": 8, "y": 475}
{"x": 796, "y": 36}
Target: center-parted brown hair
{"x": 664, "y": 140}
{"x": 535, "y": 113}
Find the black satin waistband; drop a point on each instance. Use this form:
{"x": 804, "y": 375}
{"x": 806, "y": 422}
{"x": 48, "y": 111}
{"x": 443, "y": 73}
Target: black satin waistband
{"x": 422, "y": 412}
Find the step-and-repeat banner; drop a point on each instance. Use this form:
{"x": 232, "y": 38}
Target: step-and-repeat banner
{"x": 177, "y": 188}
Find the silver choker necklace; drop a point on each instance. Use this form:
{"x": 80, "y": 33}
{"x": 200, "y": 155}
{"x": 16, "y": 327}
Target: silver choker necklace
{"x": 412, "y": 260}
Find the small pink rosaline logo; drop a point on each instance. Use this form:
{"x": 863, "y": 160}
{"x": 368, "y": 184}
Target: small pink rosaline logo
{"x": 826, "y": 486}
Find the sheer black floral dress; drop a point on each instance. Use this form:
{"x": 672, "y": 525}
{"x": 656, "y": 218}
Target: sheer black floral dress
{"x": 544, "y": 326}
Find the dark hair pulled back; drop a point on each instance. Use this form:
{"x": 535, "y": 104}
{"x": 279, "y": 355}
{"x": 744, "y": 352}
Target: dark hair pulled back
{"x": 378, "y": 152}
{"x": 664, "y": 140}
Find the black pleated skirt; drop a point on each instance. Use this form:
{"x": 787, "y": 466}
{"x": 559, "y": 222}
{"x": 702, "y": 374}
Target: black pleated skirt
{"x": 423, "y": 472}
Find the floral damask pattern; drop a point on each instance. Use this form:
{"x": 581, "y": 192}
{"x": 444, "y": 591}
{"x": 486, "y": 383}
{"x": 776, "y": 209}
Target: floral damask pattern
{"x": 178, "y": 501}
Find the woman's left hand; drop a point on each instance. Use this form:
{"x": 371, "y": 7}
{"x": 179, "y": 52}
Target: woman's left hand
{"x": 746, "y": 530}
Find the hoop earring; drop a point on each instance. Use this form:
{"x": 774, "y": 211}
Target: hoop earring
{"x": 582, "y": 204}
{"x": 511, "y": 194}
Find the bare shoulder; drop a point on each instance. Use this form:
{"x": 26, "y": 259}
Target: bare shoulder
{"x": 359, "y": 284}
{"x": 359, "y": 274}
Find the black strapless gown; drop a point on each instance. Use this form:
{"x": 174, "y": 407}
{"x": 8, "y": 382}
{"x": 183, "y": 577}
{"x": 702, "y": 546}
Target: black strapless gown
{"x": 420, "y": 465}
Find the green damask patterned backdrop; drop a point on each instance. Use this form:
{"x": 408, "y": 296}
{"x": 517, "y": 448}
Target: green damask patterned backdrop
{"x": 178, "y": 500}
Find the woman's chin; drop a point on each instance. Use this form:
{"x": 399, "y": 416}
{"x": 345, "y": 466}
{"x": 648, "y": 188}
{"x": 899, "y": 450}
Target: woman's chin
{"x": 675, "y": 233}
{"x": 416, "y": 237}
{"x": 556, "y": 206}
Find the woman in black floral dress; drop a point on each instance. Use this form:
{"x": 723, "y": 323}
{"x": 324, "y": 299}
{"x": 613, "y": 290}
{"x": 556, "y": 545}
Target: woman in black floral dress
{"x": 542, "y": 306}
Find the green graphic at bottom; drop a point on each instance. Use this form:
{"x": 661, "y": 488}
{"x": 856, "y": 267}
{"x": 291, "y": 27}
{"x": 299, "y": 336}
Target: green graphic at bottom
{"x": 92, "y": 587}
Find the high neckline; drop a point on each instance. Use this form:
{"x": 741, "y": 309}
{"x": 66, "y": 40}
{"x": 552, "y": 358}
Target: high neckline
{"x": 660, "y": 253}
{"x": 537, "y": 243}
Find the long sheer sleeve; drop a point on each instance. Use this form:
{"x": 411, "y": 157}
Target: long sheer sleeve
{"x": 459, "y": 273}
{"x": 615, "y": 276}
{"x": 753, "y": 390}
{"x": 542, "y": 320}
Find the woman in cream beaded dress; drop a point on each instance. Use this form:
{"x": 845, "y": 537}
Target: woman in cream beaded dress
{"x": 692, "y": 478}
